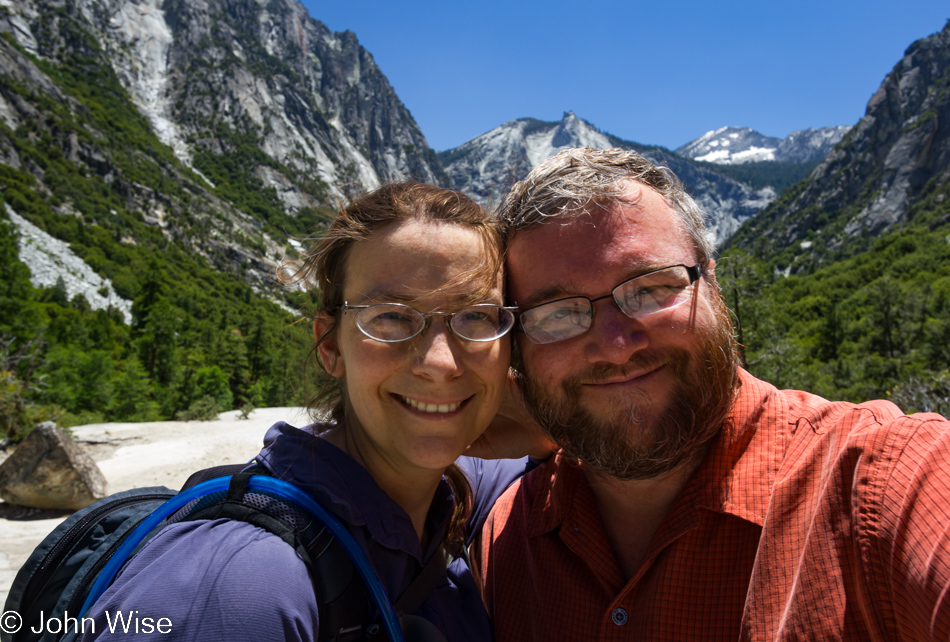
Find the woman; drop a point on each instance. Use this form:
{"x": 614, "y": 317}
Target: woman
{"x": 411, "y": 333}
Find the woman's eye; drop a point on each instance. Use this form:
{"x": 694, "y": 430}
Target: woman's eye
{"x": 392, "y": 317}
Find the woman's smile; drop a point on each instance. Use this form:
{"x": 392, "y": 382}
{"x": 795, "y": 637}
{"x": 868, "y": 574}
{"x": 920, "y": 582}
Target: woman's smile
{"x": 441, "y": 408}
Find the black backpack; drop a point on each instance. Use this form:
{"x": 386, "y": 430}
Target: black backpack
{"x": 63, "y": 571}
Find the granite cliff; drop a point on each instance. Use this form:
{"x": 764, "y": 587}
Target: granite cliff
{"x": 224, "y": 125}
{"x": 895, "y": 158}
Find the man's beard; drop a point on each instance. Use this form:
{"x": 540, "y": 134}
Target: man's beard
{"x": 639, "y": 440}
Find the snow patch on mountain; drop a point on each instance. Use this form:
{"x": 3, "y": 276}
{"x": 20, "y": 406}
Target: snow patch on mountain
{"x": 738, "y": 145}
{"x": 50, "y": 259}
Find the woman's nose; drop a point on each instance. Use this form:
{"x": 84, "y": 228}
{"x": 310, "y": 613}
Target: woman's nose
{"x": 436, "y": 355}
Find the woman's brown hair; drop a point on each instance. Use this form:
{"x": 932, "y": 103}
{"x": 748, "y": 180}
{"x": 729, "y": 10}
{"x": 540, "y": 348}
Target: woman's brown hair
{"x": 323, "y": 268}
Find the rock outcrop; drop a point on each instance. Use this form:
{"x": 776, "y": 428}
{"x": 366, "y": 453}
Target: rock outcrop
{"x": 257, "y": 97}
{"x": 314, "y": 100}
{"x": 50, "y": 470}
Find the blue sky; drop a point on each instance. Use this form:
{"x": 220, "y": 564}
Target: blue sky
{"x": 660, "y": 73}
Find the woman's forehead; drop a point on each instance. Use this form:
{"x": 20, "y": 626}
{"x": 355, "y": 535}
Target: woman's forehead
{"x": 418, "y": 260}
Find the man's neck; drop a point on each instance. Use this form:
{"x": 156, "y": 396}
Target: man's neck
{"x": 632, "y": 511}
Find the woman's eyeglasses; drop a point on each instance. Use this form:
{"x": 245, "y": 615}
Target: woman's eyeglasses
{"x": 640, "y": 296}
{"x": 394, "y": 322}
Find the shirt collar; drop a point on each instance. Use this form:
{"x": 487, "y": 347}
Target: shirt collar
{"x": 739, "y": 471}
{"x": 735, "y": 477}
{"x": 342, "y": 486}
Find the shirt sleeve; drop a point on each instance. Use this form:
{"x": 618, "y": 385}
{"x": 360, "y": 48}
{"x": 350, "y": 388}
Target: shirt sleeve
{"x": 209, "y": 580}
{"x": 906, "y": 542}
{"x": 490, "y": 478}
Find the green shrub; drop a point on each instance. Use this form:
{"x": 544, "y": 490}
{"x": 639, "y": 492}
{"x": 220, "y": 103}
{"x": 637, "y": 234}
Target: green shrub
{"x": 212, "y": 382}
{"x": 204, "y": 409}
{"x": 18, "y": 416}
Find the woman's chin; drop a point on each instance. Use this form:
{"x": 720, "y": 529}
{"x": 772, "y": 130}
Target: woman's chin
{"x": 437, "y": 453}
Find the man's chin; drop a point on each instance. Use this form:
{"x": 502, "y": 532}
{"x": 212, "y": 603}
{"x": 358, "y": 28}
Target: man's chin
{"x": 628, "y": 442}
{"x": 638, "y": 435}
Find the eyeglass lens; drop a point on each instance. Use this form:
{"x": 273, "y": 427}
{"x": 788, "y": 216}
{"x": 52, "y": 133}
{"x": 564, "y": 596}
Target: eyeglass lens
{"x": 398, "y": 322}
{"x": 638, "y": 297}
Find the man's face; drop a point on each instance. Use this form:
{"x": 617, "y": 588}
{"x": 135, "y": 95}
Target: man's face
{"x": 631, "y": 398}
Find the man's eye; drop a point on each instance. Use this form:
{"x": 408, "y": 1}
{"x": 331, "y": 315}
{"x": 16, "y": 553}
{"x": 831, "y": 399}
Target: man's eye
{"x": 559, "y": 313}
{"x": 562, "y": 316}
{"x": 639, "y": 293}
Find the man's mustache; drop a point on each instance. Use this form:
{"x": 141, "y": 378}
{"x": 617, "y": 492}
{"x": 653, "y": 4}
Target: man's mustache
{"x": 640, "y": 362}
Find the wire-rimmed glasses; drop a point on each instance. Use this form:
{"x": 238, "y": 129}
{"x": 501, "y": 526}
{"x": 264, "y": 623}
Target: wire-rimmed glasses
{"x": 395, "y": 322}
{"x": 644, "y": 294}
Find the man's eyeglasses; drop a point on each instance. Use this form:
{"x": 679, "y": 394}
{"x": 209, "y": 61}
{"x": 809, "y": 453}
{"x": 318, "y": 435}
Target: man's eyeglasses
{"x": 394, "y": 322}
{"x": 640, "y": 296}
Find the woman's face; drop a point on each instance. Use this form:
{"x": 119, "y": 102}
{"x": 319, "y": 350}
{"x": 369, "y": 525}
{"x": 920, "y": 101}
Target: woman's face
{"x": 420, "y": 402}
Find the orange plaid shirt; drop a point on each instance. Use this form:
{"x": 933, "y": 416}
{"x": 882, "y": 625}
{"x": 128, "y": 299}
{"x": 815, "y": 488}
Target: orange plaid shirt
{"x": 807, "y": 520}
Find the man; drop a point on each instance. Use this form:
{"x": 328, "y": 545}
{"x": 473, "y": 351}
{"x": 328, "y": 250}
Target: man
{"x": 690, "y": 500}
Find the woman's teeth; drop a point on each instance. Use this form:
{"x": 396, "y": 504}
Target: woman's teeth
{"x": 431, "y": 407}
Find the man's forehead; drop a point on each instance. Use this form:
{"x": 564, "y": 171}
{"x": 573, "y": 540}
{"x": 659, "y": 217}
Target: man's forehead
{"x": 565, "y": 255}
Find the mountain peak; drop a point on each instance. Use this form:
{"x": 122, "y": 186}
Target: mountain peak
{"x": 486, "y": 167}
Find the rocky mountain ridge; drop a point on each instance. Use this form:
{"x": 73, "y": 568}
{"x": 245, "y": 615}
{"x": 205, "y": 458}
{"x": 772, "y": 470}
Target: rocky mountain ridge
{"x": 486, "y": 166}
{"x": 316, "y": 99}
{"x": 896, "y": 158}
{"x": 738, "y": 145}
{"x": 269, "y": 116}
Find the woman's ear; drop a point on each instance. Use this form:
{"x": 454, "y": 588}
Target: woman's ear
{"x": 328, "y": 348}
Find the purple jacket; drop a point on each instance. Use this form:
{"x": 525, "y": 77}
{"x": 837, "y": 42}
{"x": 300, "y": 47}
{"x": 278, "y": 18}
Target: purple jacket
{"x": 228, "y": 580}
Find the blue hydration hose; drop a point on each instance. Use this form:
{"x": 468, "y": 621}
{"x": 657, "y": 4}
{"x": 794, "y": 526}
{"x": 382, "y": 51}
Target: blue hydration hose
{"x": 278, "y": 487}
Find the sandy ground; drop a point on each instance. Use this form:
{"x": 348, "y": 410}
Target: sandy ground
{"x": 142, "y": 454}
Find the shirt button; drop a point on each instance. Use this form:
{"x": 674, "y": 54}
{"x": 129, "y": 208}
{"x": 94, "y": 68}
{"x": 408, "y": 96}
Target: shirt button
{"x": 619, "y": 616}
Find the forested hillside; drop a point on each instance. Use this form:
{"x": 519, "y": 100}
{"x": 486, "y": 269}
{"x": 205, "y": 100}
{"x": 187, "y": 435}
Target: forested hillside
{"x": 842, "y": 286}
{"x": 201, "y": 339}
{"x": 193, "y": 247}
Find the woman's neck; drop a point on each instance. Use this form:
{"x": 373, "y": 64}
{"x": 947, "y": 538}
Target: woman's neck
{"x": 412, "y": 488}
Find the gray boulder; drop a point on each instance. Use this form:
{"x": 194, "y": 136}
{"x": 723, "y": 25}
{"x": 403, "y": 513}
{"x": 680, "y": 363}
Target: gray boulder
{"x": 50, "y": 470}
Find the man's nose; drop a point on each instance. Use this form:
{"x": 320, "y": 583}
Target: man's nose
{"x": 613, "y": 336}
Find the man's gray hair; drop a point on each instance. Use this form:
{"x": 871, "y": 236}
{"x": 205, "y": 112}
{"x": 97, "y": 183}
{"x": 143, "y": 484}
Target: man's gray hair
{"x": 571, "y": 182}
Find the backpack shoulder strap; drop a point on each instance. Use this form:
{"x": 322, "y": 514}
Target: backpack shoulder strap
{"x": 428, "y": 578}
{"x": 342, "y": 602}
{"x": 220, "y": 471}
